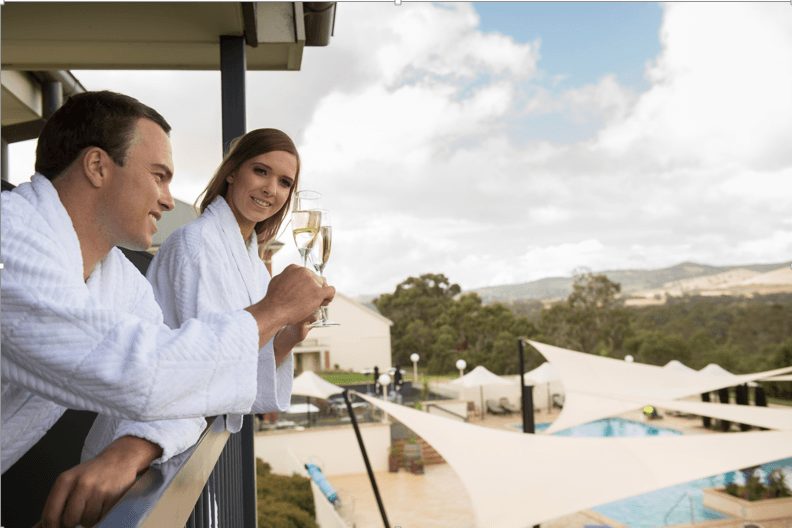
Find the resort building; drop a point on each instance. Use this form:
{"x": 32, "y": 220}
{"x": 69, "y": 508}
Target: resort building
{"x": 362, "y": 341}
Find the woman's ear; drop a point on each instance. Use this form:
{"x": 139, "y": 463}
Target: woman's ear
{"x": 230, "y": 178}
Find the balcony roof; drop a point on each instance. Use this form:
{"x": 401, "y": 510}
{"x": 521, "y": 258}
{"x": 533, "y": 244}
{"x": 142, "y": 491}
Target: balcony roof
{"x": 158, "y": 35}
{"x": 60, "y": 36}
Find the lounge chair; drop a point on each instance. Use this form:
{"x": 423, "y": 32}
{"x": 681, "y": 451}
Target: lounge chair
{"x": 558, "y": 400}
{"x": 494, "y": 408}
{"x": 508, "y": 407}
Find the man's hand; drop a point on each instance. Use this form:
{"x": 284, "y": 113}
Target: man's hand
{"x": 85, "y": 493}
{"x": 291, "y": 298}
{"x": 290, "y": 335}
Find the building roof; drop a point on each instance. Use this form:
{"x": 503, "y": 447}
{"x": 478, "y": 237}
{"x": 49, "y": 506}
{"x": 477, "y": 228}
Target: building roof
{"x": 371, "y": 310}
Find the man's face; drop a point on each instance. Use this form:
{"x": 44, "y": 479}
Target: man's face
{"x": 138, "y": 192}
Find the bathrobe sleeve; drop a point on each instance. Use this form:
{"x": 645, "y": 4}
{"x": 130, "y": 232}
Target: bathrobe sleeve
{"x": 173, "y": 436}
{"x": 275, "y": 394}
{"x": 62, "y": 344}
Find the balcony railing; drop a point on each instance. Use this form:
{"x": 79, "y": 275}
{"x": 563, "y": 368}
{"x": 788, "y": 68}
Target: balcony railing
{"x": 214, "y": 479}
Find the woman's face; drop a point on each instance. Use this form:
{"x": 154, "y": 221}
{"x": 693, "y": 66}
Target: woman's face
{"x": 259, "y": 188}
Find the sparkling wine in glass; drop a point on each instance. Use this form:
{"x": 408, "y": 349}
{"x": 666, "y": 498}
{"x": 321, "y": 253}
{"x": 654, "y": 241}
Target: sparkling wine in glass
{"x": 306, "y": 220}
{"x": 320, "y": 254}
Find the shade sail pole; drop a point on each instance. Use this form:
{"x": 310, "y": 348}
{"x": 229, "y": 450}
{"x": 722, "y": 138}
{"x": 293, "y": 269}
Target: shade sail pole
{"x": 365, "y": 459}
{"x": 527, "y": 398}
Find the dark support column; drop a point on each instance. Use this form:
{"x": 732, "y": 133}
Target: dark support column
{"x": 52, "y": 98}
{"x": 706, "y": 420}
{"x": 232, "y": 84}
{"x": 760, "y": 400}
{"x": 741, "y": 392}
{"x": 527, "y": 398}
{"x": 4, "y": 161}
{"x": 527, "y": 395}
{"x": 365, "y": 458}
{"x": 723, "y": 394}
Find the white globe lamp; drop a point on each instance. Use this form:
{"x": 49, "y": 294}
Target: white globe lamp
{"x": 460, "y": 365}
{"x": 384, "y": 380}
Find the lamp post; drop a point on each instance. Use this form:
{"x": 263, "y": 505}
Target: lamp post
{"x": 384, "y": 381}
{"x": 414, "y": 358}
{"x": 460, "y": 365}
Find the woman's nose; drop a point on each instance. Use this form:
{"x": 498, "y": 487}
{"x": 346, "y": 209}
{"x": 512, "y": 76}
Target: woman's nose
{"x": 269, "y": 186}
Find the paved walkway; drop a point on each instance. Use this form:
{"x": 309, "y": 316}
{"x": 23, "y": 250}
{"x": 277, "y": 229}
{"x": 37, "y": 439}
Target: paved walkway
{"x": 444, "y": 502}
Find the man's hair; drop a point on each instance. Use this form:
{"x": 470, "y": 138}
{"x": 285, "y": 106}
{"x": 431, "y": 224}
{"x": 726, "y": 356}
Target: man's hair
{"x": 91, "y": 119}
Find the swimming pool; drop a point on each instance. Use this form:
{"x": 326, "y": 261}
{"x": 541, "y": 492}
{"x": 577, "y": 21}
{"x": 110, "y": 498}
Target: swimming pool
{"x": 611, "y": 427}
{"x": 649, "y": 510}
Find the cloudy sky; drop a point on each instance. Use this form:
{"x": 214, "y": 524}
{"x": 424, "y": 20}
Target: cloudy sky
{"x": 506, "y": 142}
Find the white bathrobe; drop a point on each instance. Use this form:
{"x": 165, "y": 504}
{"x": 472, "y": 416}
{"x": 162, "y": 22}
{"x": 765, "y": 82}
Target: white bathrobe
{"x": 101, "y": 345}
{"x": 206, "y": 267}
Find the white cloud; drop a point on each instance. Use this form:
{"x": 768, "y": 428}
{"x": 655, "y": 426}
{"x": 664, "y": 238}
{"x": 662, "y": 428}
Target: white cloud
{"x": 438, "y": 151}
{"x": 720, "y": 89}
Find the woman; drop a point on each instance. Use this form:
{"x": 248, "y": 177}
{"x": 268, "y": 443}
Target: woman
{"x": 212, "y": 265}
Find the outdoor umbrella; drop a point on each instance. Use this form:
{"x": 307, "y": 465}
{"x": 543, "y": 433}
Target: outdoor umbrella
{"x": 544, "y": 373}
{"x": 678, "y": 366}
{"x": 479, "y": 377}
{"x": 310, "y": 385}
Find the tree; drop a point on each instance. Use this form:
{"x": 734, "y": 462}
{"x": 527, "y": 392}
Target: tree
{"x": 421, "y": 299}
{"x": 591, "y": 320}
{"x": 658, "y": 348}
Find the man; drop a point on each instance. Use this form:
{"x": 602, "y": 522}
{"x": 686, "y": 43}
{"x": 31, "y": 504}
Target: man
{"x": 80, "y": 327}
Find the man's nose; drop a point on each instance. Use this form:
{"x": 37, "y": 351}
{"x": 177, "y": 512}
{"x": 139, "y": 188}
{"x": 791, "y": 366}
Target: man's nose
{"x": 166, "y": 199}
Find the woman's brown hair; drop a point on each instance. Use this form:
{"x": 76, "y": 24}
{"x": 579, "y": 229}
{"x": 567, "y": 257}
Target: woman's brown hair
{"x": 253, "y": 144}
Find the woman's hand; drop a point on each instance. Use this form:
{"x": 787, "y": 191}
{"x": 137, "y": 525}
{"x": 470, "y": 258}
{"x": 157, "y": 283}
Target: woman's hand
{"x": 289, "y": 336}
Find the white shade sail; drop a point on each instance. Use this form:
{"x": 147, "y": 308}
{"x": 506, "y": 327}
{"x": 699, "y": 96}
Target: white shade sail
{"x": 516, "y": 480}
{"x": 541, "y": 374}
{"x": 479, "y": 377}
{"x": 778, "y": 378}
{"x": 769, "y": 418}
{"x": 598, "y": 387}
{"x": 309, "y": 384}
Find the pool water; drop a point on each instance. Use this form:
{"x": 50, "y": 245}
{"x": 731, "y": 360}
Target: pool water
{"x": 663, "y": 507}
{"x": 611, "y": 427}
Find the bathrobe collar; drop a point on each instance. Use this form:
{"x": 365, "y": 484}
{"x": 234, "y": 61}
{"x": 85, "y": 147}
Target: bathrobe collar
{"x": 242, "y": 253}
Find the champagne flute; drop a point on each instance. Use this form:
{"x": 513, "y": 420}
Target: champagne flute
{"x": 320, "y": 254}
{"x": 306, "y": 219}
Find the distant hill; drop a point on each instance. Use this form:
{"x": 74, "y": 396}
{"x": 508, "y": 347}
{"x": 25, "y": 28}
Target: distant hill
{"x": 631, "y": 281}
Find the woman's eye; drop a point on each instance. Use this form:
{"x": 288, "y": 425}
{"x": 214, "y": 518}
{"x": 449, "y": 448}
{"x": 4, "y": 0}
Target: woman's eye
{"x": 286, "y": 183}
{"x": 259, "y": 170}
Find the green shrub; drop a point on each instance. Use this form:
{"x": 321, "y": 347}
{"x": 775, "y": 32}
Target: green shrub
{"x": 283, "y": 502}
{"x": 777, "y": 486}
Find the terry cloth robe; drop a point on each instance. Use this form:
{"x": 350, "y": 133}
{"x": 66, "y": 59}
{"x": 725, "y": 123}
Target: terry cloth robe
{"x": 205, "y": 267}
{"x": 102, "y": 345}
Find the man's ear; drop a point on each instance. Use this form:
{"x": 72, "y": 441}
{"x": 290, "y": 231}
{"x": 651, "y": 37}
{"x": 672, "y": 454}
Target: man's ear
{"x": 96, "y": 166}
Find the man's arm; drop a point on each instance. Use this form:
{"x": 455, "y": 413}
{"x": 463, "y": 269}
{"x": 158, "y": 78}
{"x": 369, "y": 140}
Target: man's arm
{"x": 85, "y": 493}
